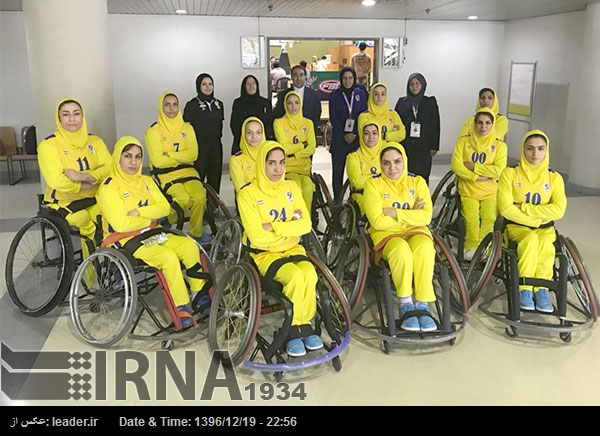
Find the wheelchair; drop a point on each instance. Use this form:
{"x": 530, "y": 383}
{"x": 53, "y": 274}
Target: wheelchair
{"x": 575, "y": 302}
{"x": 374, "y": 306}
{"x": 216, "y": 210}
{"x": 250, "y": 317}
{"x": 333, "y": 224}
{"x": 449, "y": 224}
{"x": 41, "y": 260}
{"x": 112, "y": 295}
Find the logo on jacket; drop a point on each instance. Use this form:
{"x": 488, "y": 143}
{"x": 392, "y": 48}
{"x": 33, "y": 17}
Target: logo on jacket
{"x": 493, "y": 148}
{"x": 386, "y": 195}
{"x": 91, "y": 148}
{"x": 289, "y": 196}
{"x": 304, "y": 130}
{"x": 547, "y": 187}
{"x": 517, "y": 184}
{"x": 260, "y": 202}
{"x": 183, "y": 135}
{"x": 126, "y": 194}
{"x": 411, "y": 191}
{"x": 373, "y": 170}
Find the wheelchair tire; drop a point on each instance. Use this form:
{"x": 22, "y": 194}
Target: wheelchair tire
{"x": 214, "y": 203}
{"x": 322, "y": 202}
{"x": 40, "y": 264}
{"x": 235, "y": 313}
{"x": 312, "y": 244}
{"x": 103, "y": 297}
{"x": 483, "y": 264}
{"x": 440, "y": 190}
{"x": 332, "y": 306}
{"x": 459, "y": 295}
{"x": 341, "y": 229}
{"x": 352, "y": 269}
{"x": 226, "y": 249}
{"x": 579, "y": 279}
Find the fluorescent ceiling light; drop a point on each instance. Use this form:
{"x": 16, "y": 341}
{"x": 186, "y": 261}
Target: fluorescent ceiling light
{"x": 472, "y": 17}
{"x": 368, "y": 2}
{"x": 180, "y": 11}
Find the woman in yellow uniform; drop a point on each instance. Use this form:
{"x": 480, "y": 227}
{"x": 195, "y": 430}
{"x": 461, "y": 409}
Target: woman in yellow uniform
{"x": 364, "y": 163}
{"x": 530, "y": 197}
{"x": 297, "y": 136}
{"x": 242, "y": 165}
{"x": 398, "y": 206}
{"x": 132, "y": 203}
{"x": 487, "y": 98}
{"x": 392, "y": 128}
{"x": 274, "y": 217}
{"x": 477, "y": 160}
{"x": 172, "y": 150}
{"x": 73, "y": 164}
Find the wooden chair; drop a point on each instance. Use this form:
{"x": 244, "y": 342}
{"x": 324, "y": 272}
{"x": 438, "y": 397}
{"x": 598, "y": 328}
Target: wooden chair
{"x": 10, "y": 153}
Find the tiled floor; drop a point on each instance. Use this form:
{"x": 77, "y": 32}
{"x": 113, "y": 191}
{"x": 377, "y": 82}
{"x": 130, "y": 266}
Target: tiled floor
{"x": 483, "y": 367}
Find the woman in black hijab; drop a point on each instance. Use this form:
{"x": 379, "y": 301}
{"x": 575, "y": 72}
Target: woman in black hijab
{"x": 345, "y": 104}
{"x": 250, "y": 104}
{"x": 421, "y": 117}
{"x": 205, "y": 113}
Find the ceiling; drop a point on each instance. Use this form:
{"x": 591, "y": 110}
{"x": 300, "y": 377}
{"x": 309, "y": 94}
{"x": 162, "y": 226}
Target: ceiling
{"x": 488, "y": 10}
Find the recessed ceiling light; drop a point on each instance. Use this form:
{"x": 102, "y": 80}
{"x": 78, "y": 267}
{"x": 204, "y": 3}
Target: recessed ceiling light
{"x": 368, "y": 2}
{"x": 472, "y": 17}
{"x": 180, "y": 11}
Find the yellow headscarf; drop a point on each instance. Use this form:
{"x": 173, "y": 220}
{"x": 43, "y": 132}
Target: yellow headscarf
{"x": 171, "y": 126}
{"x": 480, "y": 143}
{"x": 246, "y": 148}
{"x": 535, "y": 173}
{"x": 378, "y": 111}
{"x": 295, "y": 121}
{"x": 494, "y": 107}
{"x": 265, "y": 184}
{"x": 364, "y": 151}
{"x": 76, "y": 139}
{"x": 400, "y": 181}
{"x": 131, "y": 181}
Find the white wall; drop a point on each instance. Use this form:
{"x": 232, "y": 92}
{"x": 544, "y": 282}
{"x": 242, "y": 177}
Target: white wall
{"x": 554, "y": 42}
{"x": 151, "y": 54}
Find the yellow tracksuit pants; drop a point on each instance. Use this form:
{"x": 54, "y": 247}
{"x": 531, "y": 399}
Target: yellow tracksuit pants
{"x": 191, "y": 197}
{"x": 479, "y": 216}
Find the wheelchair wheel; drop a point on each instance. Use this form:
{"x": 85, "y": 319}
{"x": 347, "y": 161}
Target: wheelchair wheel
{"x": 340, "y": 230}
{"x": 333, "y": 312}
{"x": 103, "y": 297}
{"x": 446, "y": 213}
{"x": 322, "y": 208}
{"x": 459, "y": 295}
{"x": 578, "y": 279}
{"x": 312, "y": 244}
{"x": 226, "y": 249}
{"x": 483, "y": 264}
{"x": 235, "y": 313}
{"x": 438, "y": 195}
{"x": 352, "y": 269}
{"x": 346, "y": 191}
{"x": 216, "y": 211}
{"x": 39, "y": 265}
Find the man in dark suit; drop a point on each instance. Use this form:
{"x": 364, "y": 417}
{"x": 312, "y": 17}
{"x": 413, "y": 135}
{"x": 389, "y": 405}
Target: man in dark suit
{"x": 311, "y": 100}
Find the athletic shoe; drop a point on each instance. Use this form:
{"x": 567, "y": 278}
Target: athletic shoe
{"x": 313, "y": 342}
{"x": 542, "y": 301}
{"x": 295, "y": 348}
{"x": 526, "y": 300}
{"x": 410, "y": 324}
{"x": 426, "y": 322}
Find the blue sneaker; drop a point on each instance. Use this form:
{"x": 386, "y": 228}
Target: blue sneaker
{"x": 295, "y": 348}
{"x": 426, "y": 322}
{"x": 542, "y": 301}
{"x": 526, "y": 300}
{"x": 410, "y": 324}
{"x": 185, "y": 315}
{"x": 313, "y": 342}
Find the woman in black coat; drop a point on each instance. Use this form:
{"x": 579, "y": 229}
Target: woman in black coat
{"x": 250, "y": 104}
{"x": 205, "y": 113}
{"x": 421, "y": 117}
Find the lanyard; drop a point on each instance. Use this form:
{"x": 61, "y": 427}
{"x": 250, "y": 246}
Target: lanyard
{"x": 415, "y": 112}
{"x": 349, "y": 104}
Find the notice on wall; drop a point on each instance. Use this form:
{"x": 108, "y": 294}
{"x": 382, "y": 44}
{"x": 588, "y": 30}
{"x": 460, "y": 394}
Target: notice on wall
{"x": 521, "y": 88}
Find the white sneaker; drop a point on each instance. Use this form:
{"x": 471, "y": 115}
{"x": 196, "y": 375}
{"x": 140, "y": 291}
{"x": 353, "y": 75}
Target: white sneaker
{"x": 468, "y": 255}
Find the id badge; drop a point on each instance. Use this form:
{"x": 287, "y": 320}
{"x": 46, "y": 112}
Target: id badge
{"x": 415, "y": 130}
{"x": 349, "y": 125}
